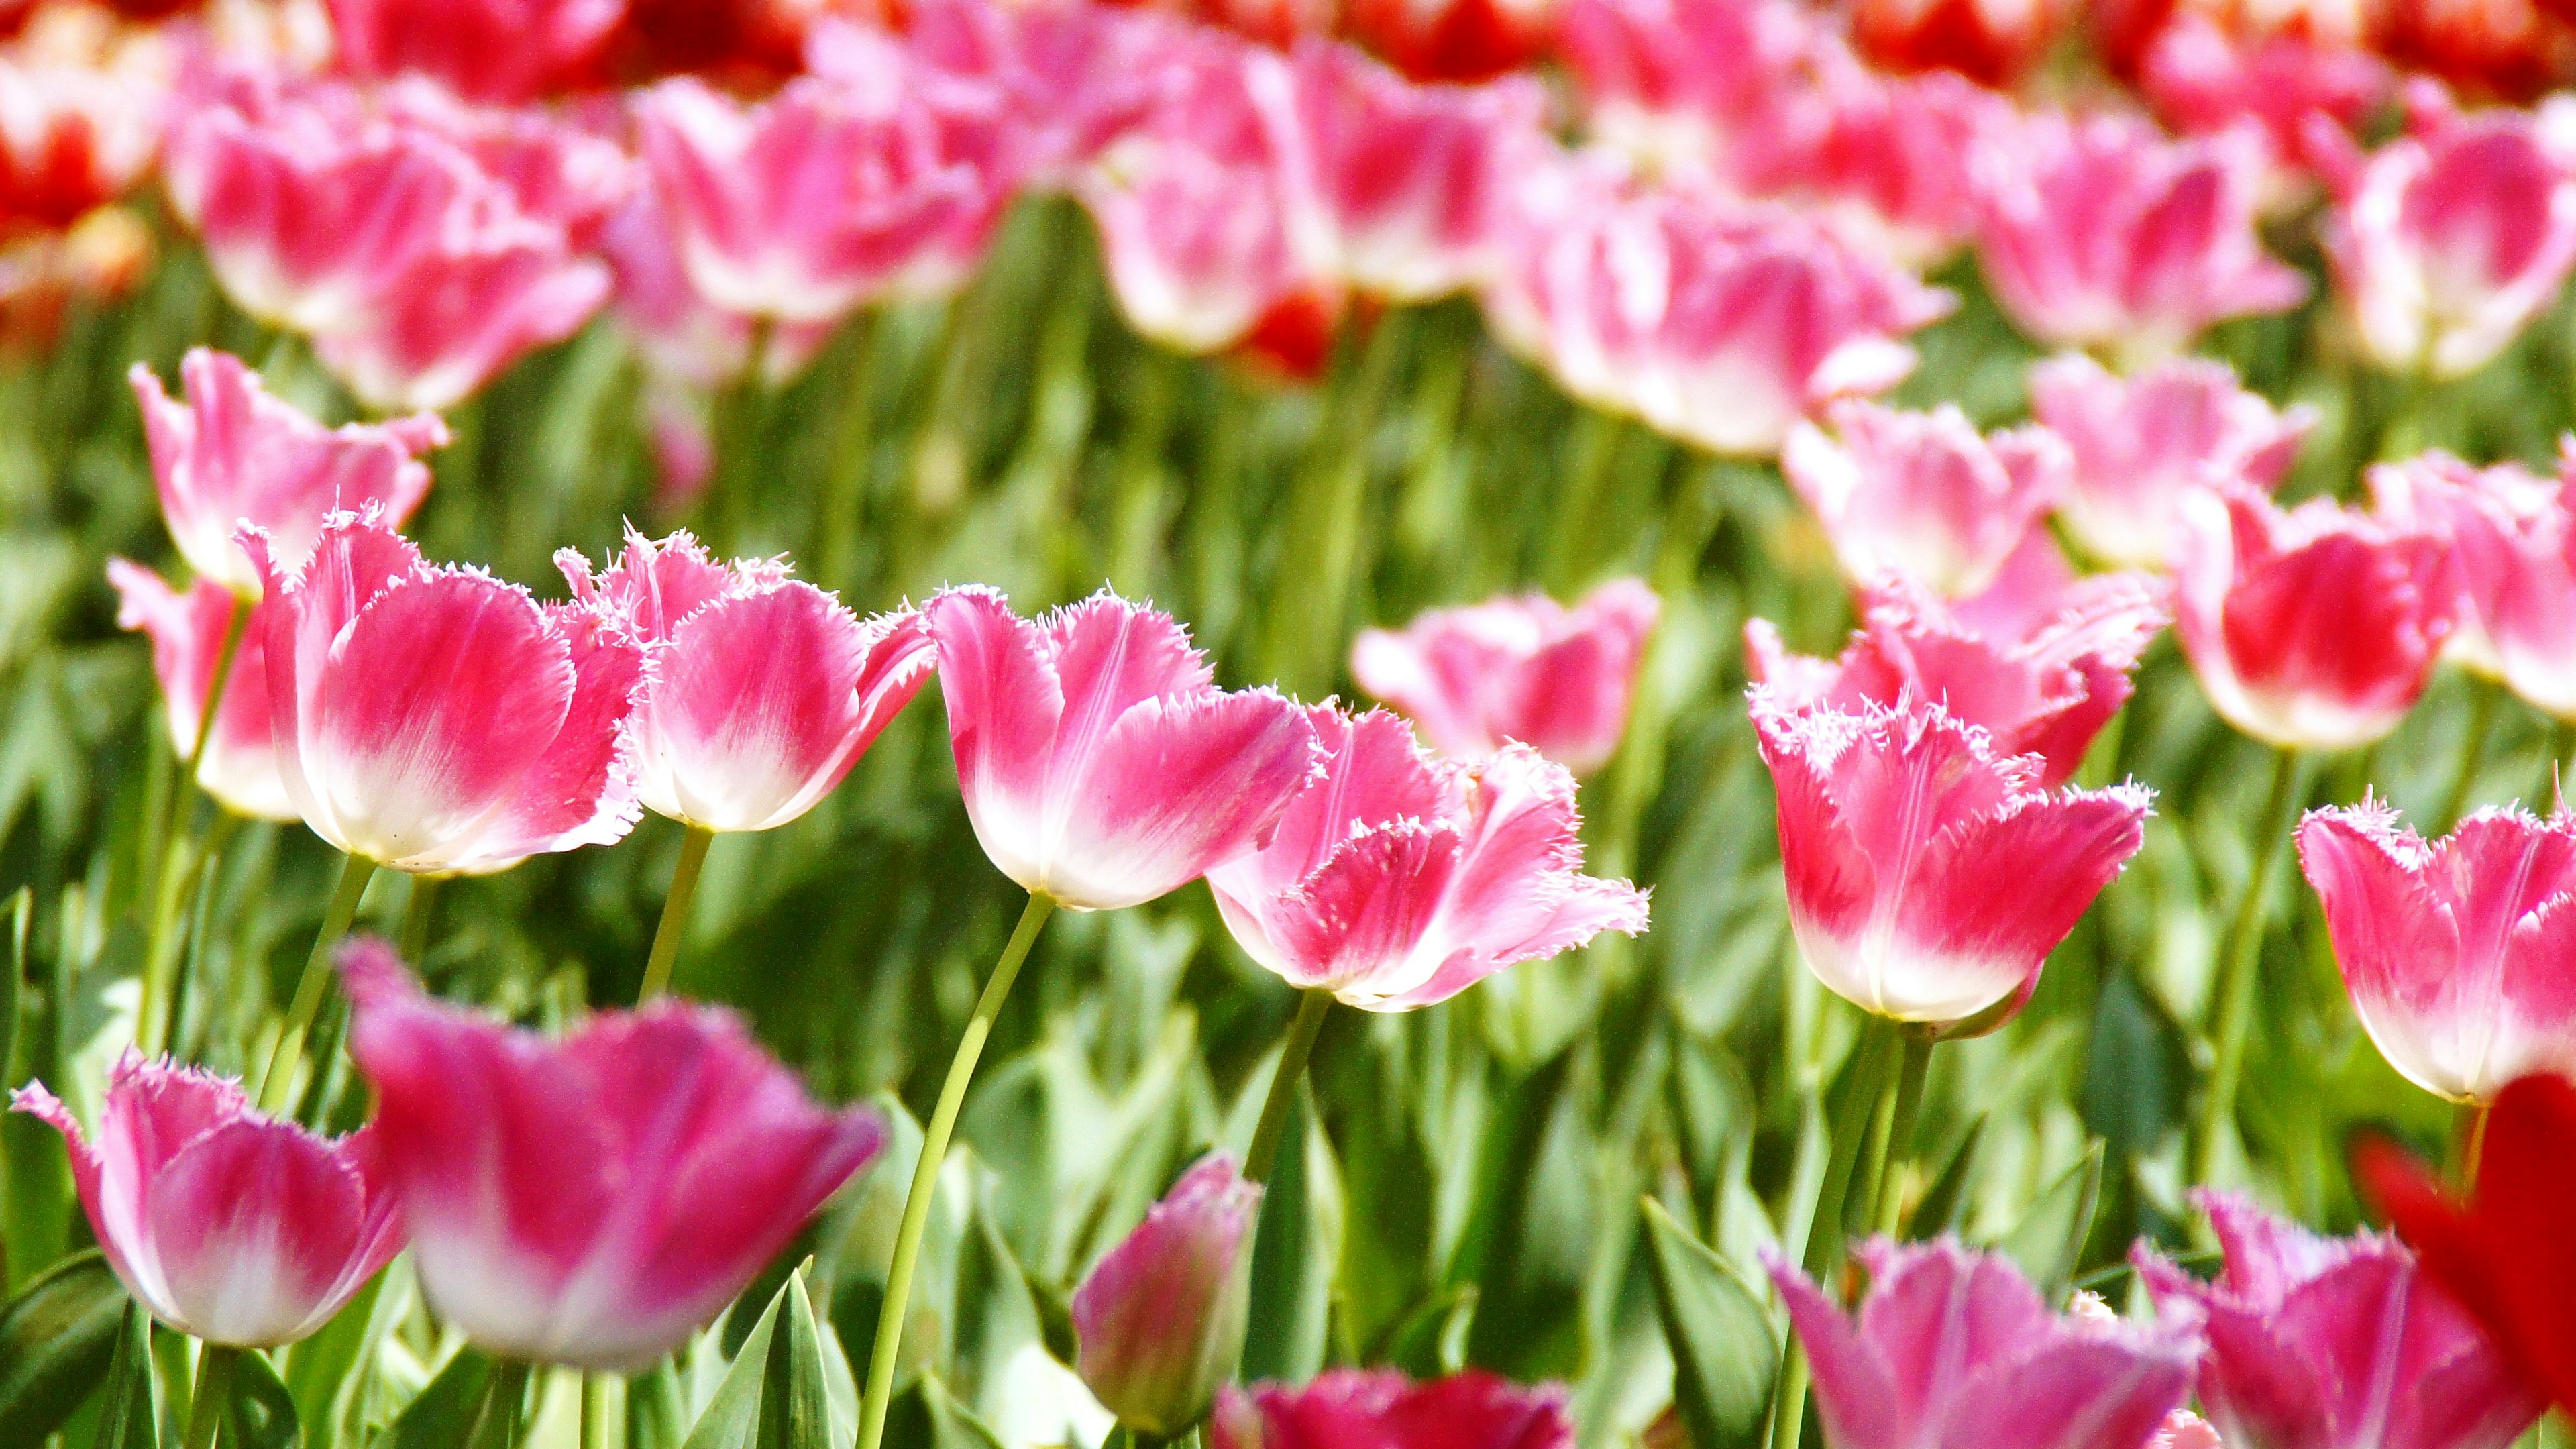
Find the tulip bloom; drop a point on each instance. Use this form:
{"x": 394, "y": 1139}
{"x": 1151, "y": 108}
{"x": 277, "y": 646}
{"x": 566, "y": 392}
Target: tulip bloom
{"x": 2509, "y": 570}
{"x": 2459, "y": 953}
{"x": 2447, "y": 242}
{"x": 1525, "y": 668}
{"x": 1453, "y": 40}
{"x": 72, "y": 138}
{"x": 232, "y": 454}
{"x": 1074, "y": 78}
{"x": 1396, "y": 881}
{"x": 501, "y": 51}
{"x": 763, "y": 690}
{"x": 1676, "y": 83}
{"x": 1992, "y": 42}
{"x": 229, "y": 1226}
{"x": 1895, "y": 826}
{"x": 589, "y": 1201}
{"x": 1161, "y": 1317}
{"x": 2311, "y": 629}
{"x": 1921, "y": 494}
{"x": 1951, "y": 1343}
{"x": 2100, "y": 233}
{"x": 1382, "y": 1409}
{"x": 2140, "y": 443}
{"x": 1101, "y": 767}
{"x": 1882, "y": 160}
{"x": 437, "y": 720}
{"x": 2336, "y": 1343}
{"x": 187, "y": 630}
{"x": 2202, "y": 79}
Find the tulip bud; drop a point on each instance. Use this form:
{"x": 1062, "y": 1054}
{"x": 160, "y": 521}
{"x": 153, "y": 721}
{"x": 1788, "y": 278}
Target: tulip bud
{"x": 1161, "y": 1318}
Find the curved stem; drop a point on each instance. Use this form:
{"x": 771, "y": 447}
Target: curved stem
{"x": 2473, "y": 749}
{"x": 2239, "y": 968}
{"x": 1300, "y": 1045}
{"x": 925, "y": 1173}
{"x": 309, "y": 987}
{"x": 675, "y": 913}
{"x": 1897, "y": 1148}
{"x": 212, "y": 1395}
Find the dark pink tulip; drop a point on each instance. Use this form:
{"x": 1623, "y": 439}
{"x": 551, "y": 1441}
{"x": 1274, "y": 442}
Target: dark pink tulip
{"x": 2311, "y": 629}
{"x": 1923, "y": 495}
{"x": 589, "y": 1201}
{"x": 1161, "y": 1317}
{"x": 1100, "y": 765}
{"x": 435, "y": 719}
{"x": 1895, "y": 824}
{"x": 2509, "y": 571}
{"x": 2100, "y": 233}
{"x": 2460, "y": 954}
{"x": 486, "y": 50}
{"x": 1382, "y": 1409}
{"x": 761, "y": 692}
{"x": 2043, "y": 686}
{"x": 232, "y": 454}
{"x": 2335, "y": 1343}
{"x": 1523, "y": 668}
{"x": 2203, "y": 78}
{"x": 1954, "y": 1347}
{"x": 2448, "y": 241}
{"x": 187, "y": 631}
{"x": 229, "y": 1226}
{"x": 1397, "y": 881}
{"x": 1883, "y": 160}
{"x": 1678, "y": 83}
{"x": 2140, "y": 443}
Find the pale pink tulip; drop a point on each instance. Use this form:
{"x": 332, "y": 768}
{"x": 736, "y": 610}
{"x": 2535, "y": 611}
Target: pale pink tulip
{"x": 228, "y": 1226}
{"x": 2509, "y": 570}
{"x": 187, "y": 630}
{"x": 1923, "y": 495}
{"x": 1679, "y": 83}
{"x": 435, "y": 719}
{"x": 762, "y": 691}
{"x": 232, "y": 454}
{"x": 1100, "y": 765}
{"x": 2311, "y": 629}
{"x": 1398, "y": 881}
{"x": 1160, "y": 1319}
{"x": 2101, "y": 233}
{"x": 1520, "y": 668}
{"x": 2460, "y": 954}
{"x": 488, "y": 50}
{"x": 593, "y": 1200}
{"x": 2448, "y": 241}
{"x": 1895, "y": 826}
{"x": 1953, "y": 1347}
{"x": 2183, "y": 1429}
{"x": 2335, "y": 1343}
{"x": 1348, "y": 1408}
{"x": 554, "y": 169}
{"x": 2140, "y": 443}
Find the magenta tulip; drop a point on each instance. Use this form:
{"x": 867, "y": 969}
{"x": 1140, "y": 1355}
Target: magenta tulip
{"x": 1382, "y": 1409}
{"x": 187, "y": 630}
{"x": 1074, "y": 77}
{"x": 1922, "y": 495}
{"x": 2509, "y": 570}
{"x": 1161, "y": 1318}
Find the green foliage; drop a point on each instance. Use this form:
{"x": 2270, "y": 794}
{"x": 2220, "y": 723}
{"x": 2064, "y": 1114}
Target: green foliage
{"x": 1725, "y": 1349}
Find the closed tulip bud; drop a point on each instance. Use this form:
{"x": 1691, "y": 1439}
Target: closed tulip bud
{"x": 1161, "y": 1318}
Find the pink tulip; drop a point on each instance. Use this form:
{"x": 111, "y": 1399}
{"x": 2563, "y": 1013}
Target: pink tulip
{"x": 2460, "y": 954}
{"x": 684, "y": 338}
{"x": 1099, "y": 764}
{"x": 762, "y": 691}
{"x": 589, "y": 1201}
{"x": 2139, "y": 443}
{"x": 831, "y": 195}
{"x": 1678, "y": 83}
{"x": 1896, "y": 824}
{"x": 2335, "y": 1343}
{"x": 1161, "y": 1318}
{"x": 233, "y": 454}
{"x": 1520, "y": 668}
{"x": 2183, "y": 1429}
{"x": 2040, "y": 686}
{"x": 2311, "y": 629}
{"x": 2447, "y": 242}
{"x": 1397, "y": 881}
{"x": 2509, "y": 570}
{"x": 229, "y": 1226}
{"x": 2203, "y": 79}
{"x": 504, "y": 51}
{"x": 1382, "y": 1409}
{"x": 1883, "y": 160}
{"x": 1952, "y": 1345}
{"x": 462, "y": 314}
{"x": 1922, "y": 494}
{"x": 1074, "y": 75}
{"x": 553, "y": 169}
{"x": 2101, "y": 233}
{"x": 187, "y": 631}
{"x": 435, "y": 719}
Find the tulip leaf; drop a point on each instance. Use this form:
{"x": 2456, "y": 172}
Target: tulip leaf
{"x": 262, "y": 1415}
{"x": 2048, "y": 1242}
{"x": 325, "y": 1370}
{"x": 657, "y": 1411}
{"x": 1724, "y": 1351}
{"x": 773, "y": 1397}
{"x": 952, "y": 1424}
{"x": 128, "y": 1416}
{"x": 442, "y": 1414}
{"x": 56, "y": 1342}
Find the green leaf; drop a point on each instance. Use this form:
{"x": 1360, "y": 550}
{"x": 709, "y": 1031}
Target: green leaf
{"x": 952, "y": 1424}
{"x": 773, "y": 1397}
{"x": 262, "y": 1415}
{"x": 323, "y": 1369}
{"x": 130, "y": 1418}
{"x": 2048, "y": 1242}
{"x": 441, "y": 1414}
{"x": 1938, "y": 1211}
{"x": 56, "y": 1342}
{"x": 657, "y": 1412}
{"x": 1724, "y": 1352}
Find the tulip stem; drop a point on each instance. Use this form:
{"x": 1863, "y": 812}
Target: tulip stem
{"x": 2473, "y": 749}
{"x": 1896, "y": 1146}
{"x": 213, "y": 1393}
{"x": 2241, "y": 964}
{"x": 2470, "y": 1140}
{"x": 235, "y": 622}
{"x": 675, "y": 913}
{"x": 1300, "y": 1045}
{"x": 925, "y": 1173}
{"x": 309, "y": 987}
{"x": 1854, "y": 1117}
{"x": 420, "y": 908}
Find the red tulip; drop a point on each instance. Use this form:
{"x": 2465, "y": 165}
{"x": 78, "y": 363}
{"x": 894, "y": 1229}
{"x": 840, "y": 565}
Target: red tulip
{"x": 503, "y": 51}
{"x": 1523, "y": 668}
{"x": 1161, "y": 1316}
{"x": 1992, "y": 42}
{"x": 187, "y": 630}
{"x": 1455, "y": 40}
{"x": 2509, "y": 571}
{"x": 72, "y": 138}
{"x": 2513, "y": 51}
{"x": 1381, "y": 1409}
{"x": 1922, "y": 495}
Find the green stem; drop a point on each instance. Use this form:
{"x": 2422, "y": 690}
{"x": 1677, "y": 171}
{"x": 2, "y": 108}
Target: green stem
{"x": 925, "y": 1173}
{"x": 2562, "y": 741}
{"x": 212, "y": 1395}
{"x": 2473, "y": 749}
{"x": 1898, "y": 1146}
{"x": 177, "y": 825}
{"x": 1855, "y": 1122}
{"x": 420, "y": 911}
{"x": 309, "y": 987}
{"x": 1300, "y": 1045}
{"x": 738, "y": 443}
{"x": 505, "y": 1404}
{"x": 2240, "y": 966}
{"x": 675, "y": 913}
{"x": 594, "y": 1411}
{"x": 235, "y": 623}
